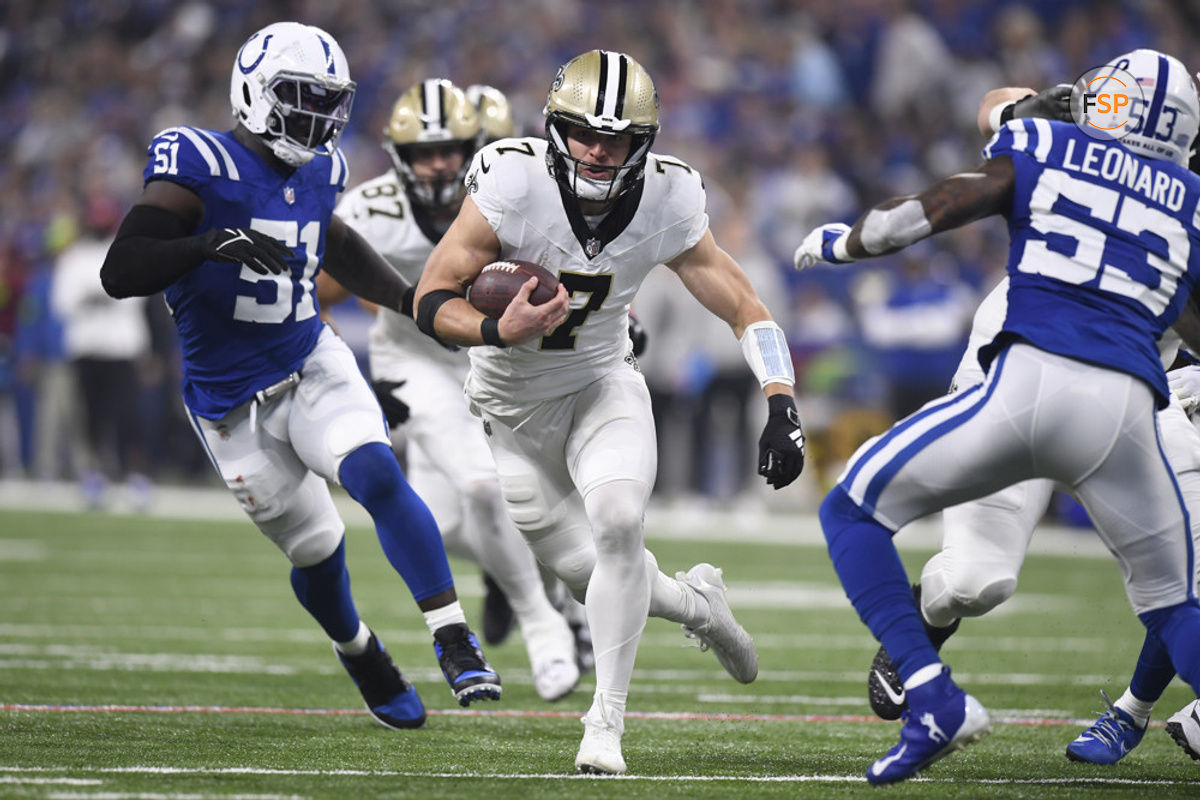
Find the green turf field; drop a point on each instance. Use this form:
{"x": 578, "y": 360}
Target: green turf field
{"x": 154, "y": 658}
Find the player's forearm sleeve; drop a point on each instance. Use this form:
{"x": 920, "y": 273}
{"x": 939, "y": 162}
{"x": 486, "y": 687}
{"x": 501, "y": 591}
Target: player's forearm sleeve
{"x": 887, "y": 231}
{"x": 365, "y": 273}
{"x": 152, "y": 250}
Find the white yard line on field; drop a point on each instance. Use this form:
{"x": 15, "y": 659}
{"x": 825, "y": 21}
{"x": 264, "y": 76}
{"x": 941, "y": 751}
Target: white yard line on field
{"x": 25, "y": 656}
{"x": 737, "y": 524}
{"x": 1053, "y": 718}
{"x": 1073, "y": 645}
{"x": 40, "y": 781}
{"x": 473, "y": 776}
{"x": 168, "y": 796}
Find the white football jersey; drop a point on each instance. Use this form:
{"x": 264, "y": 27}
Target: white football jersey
{"x": 989, "y": 319}
{"x": 380, "y": 211}
{"x": 511, "y": 185}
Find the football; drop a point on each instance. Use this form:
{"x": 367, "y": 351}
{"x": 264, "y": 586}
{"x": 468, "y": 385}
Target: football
{"x": 499, "y": 282}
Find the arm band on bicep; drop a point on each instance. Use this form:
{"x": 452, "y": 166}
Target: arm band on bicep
{"x": 884, "y": 231}
{"x": 766, "y": 351}
{"x": 428, "y": 307}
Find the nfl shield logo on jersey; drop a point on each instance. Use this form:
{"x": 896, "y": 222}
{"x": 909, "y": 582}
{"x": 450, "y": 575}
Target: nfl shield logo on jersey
{"x": 289, "y": 195}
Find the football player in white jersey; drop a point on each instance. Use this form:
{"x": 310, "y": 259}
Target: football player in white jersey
{"x": 431, "y": 135}
{"x": 232, "y": 226}
{"x": 566, "y": 408}
{"x": 985, "y": 541}
{"x": 1101, "y": 264}
{"x": 495, "y": 114}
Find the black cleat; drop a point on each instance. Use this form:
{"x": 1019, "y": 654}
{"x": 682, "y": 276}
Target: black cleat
{"x": 391, "y": 699}
{"x": 585, "y": 657}
{"x": 498, "y": 617}
{"x": 469, "y": 674}
{"x": 885, "y": 690}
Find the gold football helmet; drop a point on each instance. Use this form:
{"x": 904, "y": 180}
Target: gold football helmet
{"x": 606, "y": 92}
{"x": 433, "y": 114}
{"x": 495, "y": 114}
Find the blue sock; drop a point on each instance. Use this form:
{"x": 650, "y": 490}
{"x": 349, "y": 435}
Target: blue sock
{"x": 406, "y": 529}
{"x": 1154, "y": 670}
{"x": 1178, "y": 628}
{"x": 869, "y": 568}
{"x": 324, "y": 590}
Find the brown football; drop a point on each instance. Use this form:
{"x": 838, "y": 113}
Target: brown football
{"x": 499, "y": 282}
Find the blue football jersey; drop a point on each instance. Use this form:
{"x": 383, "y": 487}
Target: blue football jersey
{"x": 1105, "y": 247}
{"x": 240, "y": 331}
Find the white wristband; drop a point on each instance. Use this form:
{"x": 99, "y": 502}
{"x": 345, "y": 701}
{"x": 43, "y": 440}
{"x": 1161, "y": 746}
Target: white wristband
{"x": 766, "y": 351}
{"x": 994, "y": 116}
{"x": 839, "y": 248}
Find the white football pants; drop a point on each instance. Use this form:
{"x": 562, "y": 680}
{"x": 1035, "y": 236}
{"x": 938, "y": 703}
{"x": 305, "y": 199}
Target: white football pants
{"x": 1038, "y": 415}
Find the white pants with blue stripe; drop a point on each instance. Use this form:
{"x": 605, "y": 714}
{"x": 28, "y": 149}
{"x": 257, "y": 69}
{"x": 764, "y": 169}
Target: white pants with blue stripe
{"x": 277, "y": 457}
{"x": 1038, "y": 415}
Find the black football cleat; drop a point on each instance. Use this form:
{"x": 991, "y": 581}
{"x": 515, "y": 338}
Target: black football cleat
{"x": 391, "y": 699}
{"x": 885, "y": 690}
{"x": 469, "y": 674}
{"x": 499, "y": 619}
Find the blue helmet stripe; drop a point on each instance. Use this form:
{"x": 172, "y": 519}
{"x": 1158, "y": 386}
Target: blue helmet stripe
{"x": 330, "y": 67}
{"x": 1150, "y": 124}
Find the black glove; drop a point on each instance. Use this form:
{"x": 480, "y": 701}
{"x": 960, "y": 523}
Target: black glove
{"x": 781, "y": 446}
{"x": 637, "y": 335}
{"x": 394, "y": 409}
{"x": 1053, "y": 103}
{"x": 262, "y": 253}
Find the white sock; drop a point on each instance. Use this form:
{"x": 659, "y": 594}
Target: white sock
{"x": 358, "y": 645}
{"x": 1138, "y": 709}
{"x": 451, "y": 614}
{"x": 923, "y": 676}
{"x": 610, "y": 704}
{"x": 616, "y": 613}
{"x": 673, "y": 599}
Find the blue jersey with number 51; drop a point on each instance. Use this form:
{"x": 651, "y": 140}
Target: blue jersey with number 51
{"x": 240, "y": 331}
{"x": 1105, "y": 247}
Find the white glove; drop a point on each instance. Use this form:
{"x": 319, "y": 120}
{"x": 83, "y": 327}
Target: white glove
{"x": 1185, "y": 384}
{"x": 818, "y": 245}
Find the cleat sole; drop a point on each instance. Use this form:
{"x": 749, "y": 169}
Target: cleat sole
{"x": 961, "y": 744}
{"x": 1175, "y": 730}
{"x": 477, "y": 692}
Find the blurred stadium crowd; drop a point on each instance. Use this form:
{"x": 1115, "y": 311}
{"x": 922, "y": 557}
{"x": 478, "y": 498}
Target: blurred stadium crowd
{"x": 796, "y": 113}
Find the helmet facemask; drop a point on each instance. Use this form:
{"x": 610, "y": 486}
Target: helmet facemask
{"x": 607, "y": 93}
{"x": 441, "y": 191}
{"x": 569, "y": 170}
{"x": 306, "y": 115}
